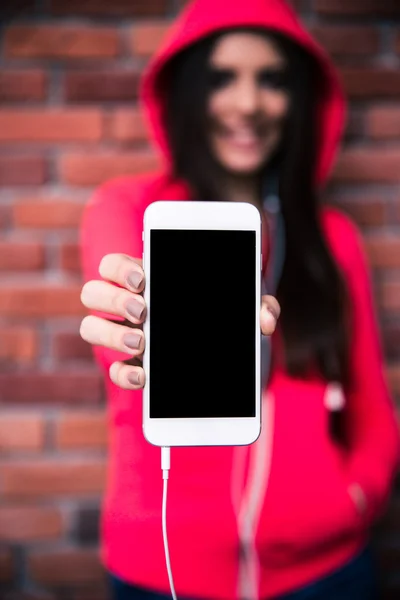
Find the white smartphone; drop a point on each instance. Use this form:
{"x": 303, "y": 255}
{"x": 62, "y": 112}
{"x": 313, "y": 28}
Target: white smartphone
{"x": 202, "y": 262}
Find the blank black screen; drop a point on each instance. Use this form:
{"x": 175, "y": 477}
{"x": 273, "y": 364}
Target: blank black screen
{"x": 202, "y": 323}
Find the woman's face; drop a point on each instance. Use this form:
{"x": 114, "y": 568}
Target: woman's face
{"x": 248, "y": 101}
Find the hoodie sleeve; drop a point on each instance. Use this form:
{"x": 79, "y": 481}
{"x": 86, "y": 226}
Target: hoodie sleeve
{"x": 110, "y": 224}
{"x": 371, "y": 423}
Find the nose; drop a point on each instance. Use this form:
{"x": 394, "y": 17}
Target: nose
{"x": 248, "y": 97}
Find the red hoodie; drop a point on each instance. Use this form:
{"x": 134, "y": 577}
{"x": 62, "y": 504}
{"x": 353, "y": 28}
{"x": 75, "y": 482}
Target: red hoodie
{"x": 257, "y": 521}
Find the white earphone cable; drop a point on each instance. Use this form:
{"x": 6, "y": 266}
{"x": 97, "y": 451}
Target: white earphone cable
{"x": 165, "y": 466}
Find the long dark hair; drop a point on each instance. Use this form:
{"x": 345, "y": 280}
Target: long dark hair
{"x": 311, "y": 292}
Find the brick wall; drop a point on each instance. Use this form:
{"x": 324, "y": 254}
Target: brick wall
{"x": 69, "y": 120}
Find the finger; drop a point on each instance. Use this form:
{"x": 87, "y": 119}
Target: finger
{"x": 270, "y": 311}
{"x": 124, "y": 270}
{"x": 108, "y": 298}
{"x": 101, "y": 332}
{"x": 127, "y": 377}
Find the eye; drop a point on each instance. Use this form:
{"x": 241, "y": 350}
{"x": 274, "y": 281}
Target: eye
{"x": 273, "y": 78}
{"x": 220, "y": 78}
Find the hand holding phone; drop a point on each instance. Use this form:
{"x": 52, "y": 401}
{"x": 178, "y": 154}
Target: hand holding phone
{"x": 104, "y": 296}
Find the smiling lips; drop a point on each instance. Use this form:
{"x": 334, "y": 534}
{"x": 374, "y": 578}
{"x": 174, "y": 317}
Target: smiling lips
{"x": 243, "y": 138}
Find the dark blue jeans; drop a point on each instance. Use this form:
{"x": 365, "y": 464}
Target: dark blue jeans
{"x": 355, "y": 581}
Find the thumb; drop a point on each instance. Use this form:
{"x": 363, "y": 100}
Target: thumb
{"x": 270, "y": 311}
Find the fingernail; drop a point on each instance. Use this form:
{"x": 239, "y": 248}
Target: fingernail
{"x": 134, "y": 378}
{"x": 134, "y": 279}
{"x": 135, "y": 309}
{"x": 132, "y": 340}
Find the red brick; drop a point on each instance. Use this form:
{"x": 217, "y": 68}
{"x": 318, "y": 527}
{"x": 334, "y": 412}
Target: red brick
{"x": 21, "y": 432}
{"x": 16, "y": 256}
{"x": 22, "y": 170}
{"x": 70, "y": 346}
{"x": 60, "y": 41}
{"x": 92, "y": 169}
{"x": 6, "y": 565}
{"x": 44, "y": 478}
{"x": 349, "y": 40}
{"x": 370, "y": 8}
{"x": 40, "y": 299}
{"x": 101, "y": 86}
{"x": 5, "y": 217}
{"x": 22, "y": 85}
{"x": 81, "y": 430}
{"x": 48, "y": 568}
{"x": 70, "y": 258}
{"x": 59, "y": 387}
{"x": 384, "y": 251}
{"x": 105, "y": 8}
{"x": 47, "y": 214}
{"x": 391, "y": 296}
{"x": 147, "y": 37}
{"x": 28, "y": 523}
{"x": 361, "y": 82}
{"x": 54, "y": 125}
{"x": 18, "y": 344}
{"x": 383, "y": 122}
{"x": 127, "y": 125}
{"x": 369, "y": 164}
{"x": 365, "y": 211}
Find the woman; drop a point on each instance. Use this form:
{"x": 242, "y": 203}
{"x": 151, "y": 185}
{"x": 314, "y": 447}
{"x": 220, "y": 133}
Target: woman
{"x": 241, "y": 98}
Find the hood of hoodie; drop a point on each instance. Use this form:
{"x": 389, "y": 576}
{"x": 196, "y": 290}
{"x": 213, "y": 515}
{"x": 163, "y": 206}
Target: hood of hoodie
{"x": 202, "y": 18}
